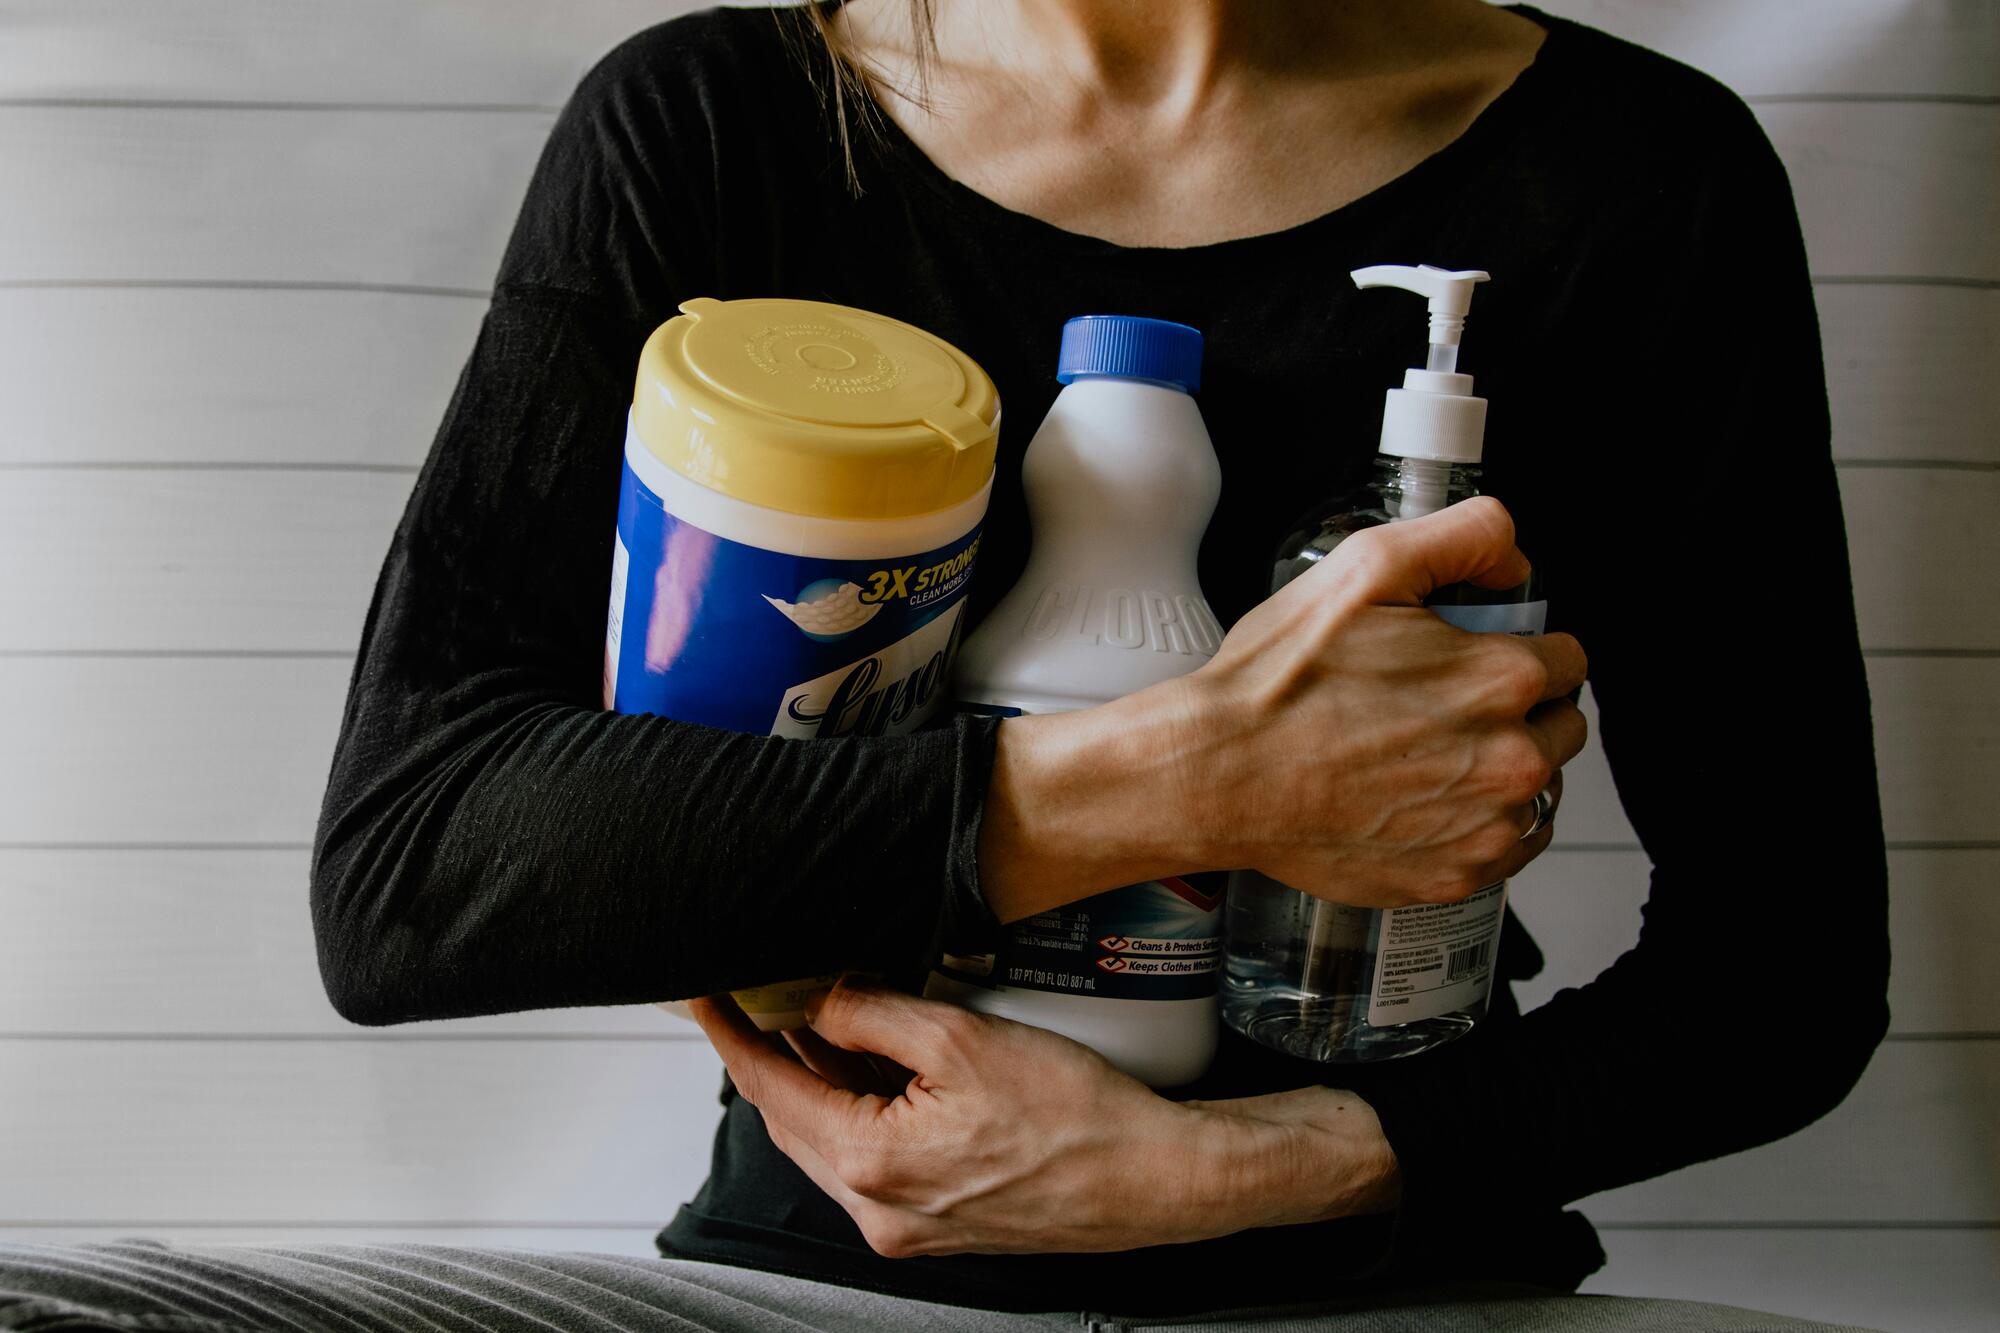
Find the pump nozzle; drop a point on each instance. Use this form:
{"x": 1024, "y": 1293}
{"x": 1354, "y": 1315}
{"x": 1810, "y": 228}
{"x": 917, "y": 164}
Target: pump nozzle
{"x": 1449, "y": 293}
{"x": 1434, "y": 414}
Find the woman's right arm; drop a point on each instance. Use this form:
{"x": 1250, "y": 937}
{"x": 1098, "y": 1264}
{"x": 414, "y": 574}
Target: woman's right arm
{"x": 493, "y": 840}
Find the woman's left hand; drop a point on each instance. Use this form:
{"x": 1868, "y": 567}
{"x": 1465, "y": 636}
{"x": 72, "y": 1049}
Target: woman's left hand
{"x": 996, "y": 1137}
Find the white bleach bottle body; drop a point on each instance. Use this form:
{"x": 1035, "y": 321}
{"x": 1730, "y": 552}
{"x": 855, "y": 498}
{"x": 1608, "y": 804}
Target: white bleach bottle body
{"x": 1121, "y": 480}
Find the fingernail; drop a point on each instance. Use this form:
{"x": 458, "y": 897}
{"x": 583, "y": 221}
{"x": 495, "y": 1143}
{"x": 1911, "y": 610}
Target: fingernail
{"x": 814, "y": 1000}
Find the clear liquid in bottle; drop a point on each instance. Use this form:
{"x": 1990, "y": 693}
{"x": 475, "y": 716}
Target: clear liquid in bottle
{"x": 1344, "y": 985}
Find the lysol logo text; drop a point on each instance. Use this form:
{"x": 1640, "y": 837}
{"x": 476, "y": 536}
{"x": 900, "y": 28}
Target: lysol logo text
{"x": 890, "y": 692}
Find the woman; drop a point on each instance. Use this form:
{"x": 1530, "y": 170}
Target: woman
{"x": 491, "y": 841}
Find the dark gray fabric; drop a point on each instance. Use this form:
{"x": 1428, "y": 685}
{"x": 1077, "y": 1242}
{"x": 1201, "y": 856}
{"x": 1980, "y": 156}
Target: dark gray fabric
{"x": 435, "y": 1289}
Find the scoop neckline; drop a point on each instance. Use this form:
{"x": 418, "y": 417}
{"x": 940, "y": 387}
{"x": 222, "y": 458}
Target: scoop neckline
{"x": 1492, "y": 122}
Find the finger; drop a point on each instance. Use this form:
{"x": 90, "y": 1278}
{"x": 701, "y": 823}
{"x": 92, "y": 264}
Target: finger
{"x": 1535, "y": 828}
{"x": 1529, "y": 815}
{"x": 889, "y": 1072}
{"x": 851, "y": 1070}
{"x": 784, "y": 1090}
{"x": 1531, "y": 847}
{"x": 1523, "y": 851}
{"x": 869, "y": 1214}
{"x": 916, "y": 1033}
{"x": 1562, "y": 657}
{"x": 1469, "y": 542}
{"x": 809, "y": 1160}
{"x": 1561, "y": 729}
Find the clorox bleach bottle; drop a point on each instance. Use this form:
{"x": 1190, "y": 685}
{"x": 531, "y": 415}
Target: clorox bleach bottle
{"x": 1121, "y": 481}
{"x": 803, "y": 490}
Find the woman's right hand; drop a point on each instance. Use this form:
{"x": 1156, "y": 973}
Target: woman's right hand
{"x": 1349, "y": 743}
{"x": 1343, "y": 740}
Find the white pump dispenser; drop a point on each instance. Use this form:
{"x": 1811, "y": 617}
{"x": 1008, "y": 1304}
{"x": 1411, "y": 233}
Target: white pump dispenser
{"x": 1434, "y": 414}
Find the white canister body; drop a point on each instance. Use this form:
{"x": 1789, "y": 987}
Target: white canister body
{"x": 1121, "y": 480}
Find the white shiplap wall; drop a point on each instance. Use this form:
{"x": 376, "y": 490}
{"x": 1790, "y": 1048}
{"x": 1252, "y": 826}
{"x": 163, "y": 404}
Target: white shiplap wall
{"x": 243, "y": 249}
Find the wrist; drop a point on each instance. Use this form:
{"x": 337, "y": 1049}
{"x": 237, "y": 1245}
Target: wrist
{"x": 1086, "y": 801}
{"x": 1309, "y": 1155}
{"x": 1191, "y": 729}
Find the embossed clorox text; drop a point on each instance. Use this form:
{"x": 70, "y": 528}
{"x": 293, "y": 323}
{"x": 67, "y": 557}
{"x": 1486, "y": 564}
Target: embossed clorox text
{"x": 1124, "y": 618}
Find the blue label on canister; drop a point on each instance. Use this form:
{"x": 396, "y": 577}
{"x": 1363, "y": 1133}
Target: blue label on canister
{"x": 715, "y": 631}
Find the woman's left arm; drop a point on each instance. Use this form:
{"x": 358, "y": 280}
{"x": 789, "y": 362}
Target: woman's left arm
{"x": 998, "y": 1138}
{"x": 1695, "y": 544}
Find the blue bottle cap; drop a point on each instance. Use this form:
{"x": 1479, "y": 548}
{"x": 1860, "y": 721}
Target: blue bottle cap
{"x": 1131, "y": 348}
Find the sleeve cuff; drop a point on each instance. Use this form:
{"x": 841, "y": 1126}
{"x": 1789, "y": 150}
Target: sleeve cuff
{"x": 966, "y": 923}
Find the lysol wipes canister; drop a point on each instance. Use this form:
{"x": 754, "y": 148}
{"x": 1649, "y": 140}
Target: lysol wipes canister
{"x": 797, "y": 526}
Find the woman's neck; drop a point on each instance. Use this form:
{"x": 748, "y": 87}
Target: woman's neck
{"x": 1151, "y": 123}
{"x": 1133, "y": 52}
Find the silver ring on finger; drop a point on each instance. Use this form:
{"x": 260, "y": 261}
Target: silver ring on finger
{"x": 1545, "y": 810}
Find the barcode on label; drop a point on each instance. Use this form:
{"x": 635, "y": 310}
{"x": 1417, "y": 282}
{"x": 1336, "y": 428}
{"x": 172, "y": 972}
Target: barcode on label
{"x": 1466, "y": 962}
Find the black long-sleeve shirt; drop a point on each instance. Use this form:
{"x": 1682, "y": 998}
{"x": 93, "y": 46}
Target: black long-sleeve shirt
{"x": 492, "y": 840}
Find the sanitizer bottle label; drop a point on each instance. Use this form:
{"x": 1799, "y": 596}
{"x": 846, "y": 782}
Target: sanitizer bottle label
{"x": 709, "y": 630}
{"x": 1522, "y": 618}
{"x": 1161, "y": 940}
{"x": 1437, "y": 958}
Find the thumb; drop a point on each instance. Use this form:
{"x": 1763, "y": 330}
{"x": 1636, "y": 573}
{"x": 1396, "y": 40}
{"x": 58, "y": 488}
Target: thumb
{"x": 918, "y": 1034}
{"x": 1469, "y": 542}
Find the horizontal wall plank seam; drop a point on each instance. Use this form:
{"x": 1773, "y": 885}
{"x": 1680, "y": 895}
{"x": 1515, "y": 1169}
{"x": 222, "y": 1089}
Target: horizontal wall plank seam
{"x": 1903, "y": 280}
{"x": 241, "y": 285}
{"x": 1894, "y": 845}
{"x": 653, "y": 1224}
{"x": 1914, "y": 464}
{"x": 1841, "y": 1225}
{"x": 155, "y": 846}
{"x": 479, "y": 294}
{"x": 366, "y": 1035}
{"x": 1891, "y": 845}
{"x": 411, "y": 469}
{"x": 1931, "y": 99}
{"x": 199, "y": 654}
{"x": 380, "y": 1037}
{"x": 545, "y": 109}
{"x": 320, "y": 1223}
{"x": 1944, "y": 1036}
{"x": 193, "y": 104}
{"x": 200, "y": 465}
{"x": 335, "y": 654}
{"x": 1976, "y": 653}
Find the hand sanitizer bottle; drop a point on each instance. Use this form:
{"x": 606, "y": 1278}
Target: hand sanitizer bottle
{"x": 1318, "y": 979}
{"x": 1121, "y": 480}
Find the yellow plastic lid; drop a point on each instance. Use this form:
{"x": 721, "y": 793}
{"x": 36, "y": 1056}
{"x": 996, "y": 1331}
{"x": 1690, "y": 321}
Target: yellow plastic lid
{"x": 816, "y": 409}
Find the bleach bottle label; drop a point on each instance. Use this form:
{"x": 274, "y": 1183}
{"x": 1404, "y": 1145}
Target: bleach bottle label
{"x": 1161, "y": 940}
